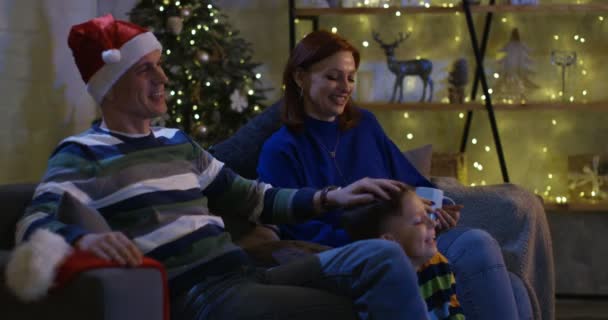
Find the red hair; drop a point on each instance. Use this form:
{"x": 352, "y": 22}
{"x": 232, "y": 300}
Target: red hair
{"x": 315, "y": 47}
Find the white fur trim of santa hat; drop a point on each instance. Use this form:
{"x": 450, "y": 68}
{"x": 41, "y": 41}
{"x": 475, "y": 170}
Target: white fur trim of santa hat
{"x": 118, "y": 61}
{"x": 32, "y": 267}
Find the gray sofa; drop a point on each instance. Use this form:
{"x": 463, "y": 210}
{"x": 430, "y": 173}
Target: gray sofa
{"x": 515, "y": 217}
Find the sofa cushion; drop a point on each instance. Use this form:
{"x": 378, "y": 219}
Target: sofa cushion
{"x": 72, "y": 211}
{"x": 13, "y": 200}
{"x": 421, "y": 158}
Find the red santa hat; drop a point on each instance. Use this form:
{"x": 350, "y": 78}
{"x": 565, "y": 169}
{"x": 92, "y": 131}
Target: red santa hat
{"x": 46, "y": 261}
{"x": 104, "y": 49}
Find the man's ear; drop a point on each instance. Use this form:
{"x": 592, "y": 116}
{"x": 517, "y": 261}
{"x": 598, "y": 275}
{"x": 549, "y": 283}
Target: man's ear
{"x": 109, "y": 97}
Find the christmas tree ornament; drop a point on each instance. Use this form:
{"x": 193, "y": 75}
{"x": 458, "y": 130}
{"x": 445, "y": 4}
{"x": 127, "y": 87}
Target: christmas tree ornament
{"x": 200, "y": 132}
{"x": 563, "y": 59}
{"x": 175, "y": 69}
{"x": 186, "y": 11}
{"x": 175, "y": 25}
{"x": 515, "y": 69}
{"x": 202, "y": 56}
{"x": 457, "y": 79}
{"x": 216, "y": 117}
{"x": 238, "y": 102}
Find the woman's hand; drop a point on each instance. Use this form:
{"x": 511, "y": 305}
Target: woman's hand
{"x": 364, "y": 191}
{"x": 111, "y": 246}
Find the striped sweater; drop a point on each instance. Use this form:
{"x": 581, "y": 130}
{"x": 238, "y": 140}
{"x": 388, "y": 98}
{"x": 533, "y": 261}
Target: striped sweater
{"x": 436, "y": 281}
{"x": 163, "y": 191}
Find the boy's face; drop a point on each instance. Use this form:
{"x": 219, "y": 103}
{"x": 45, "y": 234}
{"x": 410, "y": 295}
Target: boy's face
{"x": 413, "y": 230}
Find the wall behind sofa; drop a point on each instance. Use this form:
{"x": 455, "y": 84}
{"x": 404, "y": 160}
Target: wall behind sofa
{"x": 43, "y": 97}
{"x": 40, "y": 87}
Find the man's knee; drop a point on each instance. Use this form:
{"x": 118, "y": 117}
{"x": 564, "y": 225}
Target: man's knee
{"x": 380, "y": 249}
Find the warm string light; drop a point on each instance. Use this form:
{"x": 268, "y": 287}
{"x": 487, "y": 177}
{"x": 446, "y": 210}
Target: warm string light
{"x": 572, "y": 96}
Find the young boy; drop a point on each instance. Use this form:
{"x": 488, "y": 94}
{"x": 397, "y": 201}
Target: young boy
{"x": 404, "y": 220}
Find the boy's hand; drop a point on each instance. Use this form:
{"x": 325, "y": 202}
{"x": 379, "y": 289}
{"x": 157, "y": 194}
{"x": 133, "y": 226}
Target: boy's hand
{"x": 448, "y": 216}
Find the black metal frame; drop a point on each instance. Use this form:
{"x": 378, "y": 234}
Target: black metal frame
{"x": 480, "y": 75}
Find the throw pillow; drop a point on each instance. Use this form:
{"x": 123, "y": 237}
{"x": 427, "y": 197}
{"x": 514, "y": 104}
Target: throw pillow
{"x": 72, "y": 211}
{"x": 421, "y": 158}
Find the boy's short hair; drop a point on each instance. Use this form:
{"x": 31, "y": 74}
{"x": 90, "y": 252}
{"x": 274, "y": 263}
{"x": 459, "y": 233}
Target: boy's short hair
{"x": 369, "y": 221}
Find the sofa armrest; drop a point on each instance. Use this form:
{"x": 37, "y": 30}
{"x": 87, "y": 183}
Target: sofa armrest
{"x": 516, "y": 218}
{"x": 112, "y": 293}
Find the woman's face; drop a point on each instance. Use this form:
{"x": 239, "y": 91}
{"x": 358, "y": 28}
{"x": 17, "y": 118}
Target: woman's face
{"x": 328, "y": 85}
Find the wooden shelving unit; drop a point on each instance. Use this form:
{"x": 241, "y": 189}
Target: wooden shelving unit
{"x": 498, "y": 8}
{"x": 479, "y": 45}
{"x": 429, "y": 106}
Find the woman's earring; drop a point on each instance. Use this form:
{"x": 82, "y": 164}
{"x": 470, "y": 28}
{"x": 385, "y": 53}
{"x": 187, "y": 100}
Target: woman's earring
{"x": 301, "y": 92}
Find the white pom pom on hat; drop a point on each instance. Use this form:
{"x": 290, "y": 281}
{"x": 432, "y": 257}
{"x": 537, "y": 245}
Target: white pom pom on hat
{"x": 111, "y": 56}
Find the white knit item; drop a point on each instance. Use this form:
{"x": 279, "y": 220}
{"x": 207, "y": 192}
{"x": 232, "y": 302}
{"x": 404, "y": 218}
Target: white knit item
{"x": 33, "y": 265}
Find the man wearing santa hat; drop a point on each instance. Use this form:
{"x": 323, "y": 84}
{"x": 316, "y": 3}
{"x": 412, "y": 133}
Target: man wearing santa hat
{"x": 162, "y": 195}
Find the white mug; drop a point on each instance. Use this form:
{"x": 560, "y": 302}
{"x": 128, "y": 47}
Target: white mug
{"x": 435, "y": 195}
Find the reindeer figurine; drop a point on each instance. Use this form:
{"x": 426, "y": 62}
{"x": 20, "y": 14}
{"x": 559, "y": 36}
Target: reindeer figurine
{"x": 402, "y": 68}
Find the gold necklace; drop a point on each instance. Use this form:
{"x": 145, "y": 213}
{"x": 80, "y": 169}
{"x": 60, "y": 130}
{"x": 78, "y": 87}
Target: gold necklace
{"x": 332, "y": 154}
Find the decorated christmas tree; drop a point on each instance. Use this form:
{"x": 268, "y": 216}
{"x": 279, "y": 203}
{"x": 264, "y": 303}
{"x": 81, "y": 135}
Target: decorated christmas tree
{"x": 516, "y": 66}
{"x": 213, "y": 88}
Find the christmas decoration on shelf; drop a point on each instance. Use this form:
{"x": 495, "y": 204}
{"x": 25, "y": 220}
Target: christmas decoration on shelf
{"x": 334, "y": 3}
{"x": 410, "y": 3}
{"x": 457, "y": 79}
{"x": 563, "y": 59}
{"x": 402, "y": 68}
{"x": 589, "y": 182}
{"x": 516, "y": 66}
{"x": 207, "y": 62}
{"x": 521, "y": 2}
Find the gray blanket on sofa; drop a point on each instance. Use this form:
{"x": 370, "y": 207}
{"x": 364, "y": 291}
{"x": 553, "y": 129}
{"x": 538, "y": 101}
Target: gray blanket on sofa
{"x": 516, "y": 218}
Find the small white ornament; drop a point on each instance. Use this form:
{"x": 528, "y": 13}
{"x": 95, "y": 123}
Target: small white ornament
{"x": 202, "y": 56}
{"x": 111, "y": 56}
{"x": 175, "y": 25}
{"x": 238, "y": 101}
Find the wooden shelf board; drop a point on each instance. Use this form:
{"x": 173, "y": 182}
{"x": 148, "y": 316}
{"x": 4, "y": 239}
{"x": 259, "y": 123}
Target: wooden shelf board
{"x": 432, "y": 106}
{"x": 540, "y": 8}
{"x": 578, "y": 207}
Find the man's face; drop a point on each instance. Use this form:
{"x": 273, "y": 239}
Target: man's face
{"x": 140, "y": 93}
{"x": 413, "y": 230}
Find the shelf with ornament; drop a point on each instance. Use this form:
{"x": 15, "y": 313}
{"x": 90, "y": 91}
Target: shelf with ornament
{"x": 432, "y": 106}
{"x": 557, "y": 8}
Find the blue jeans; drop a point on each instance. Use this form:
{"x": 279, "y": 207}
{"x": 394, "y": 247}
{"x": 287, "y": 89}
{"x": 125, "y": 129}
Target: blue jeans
{"x": 483, "y": 285}
{"x": 370, "y": 279}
